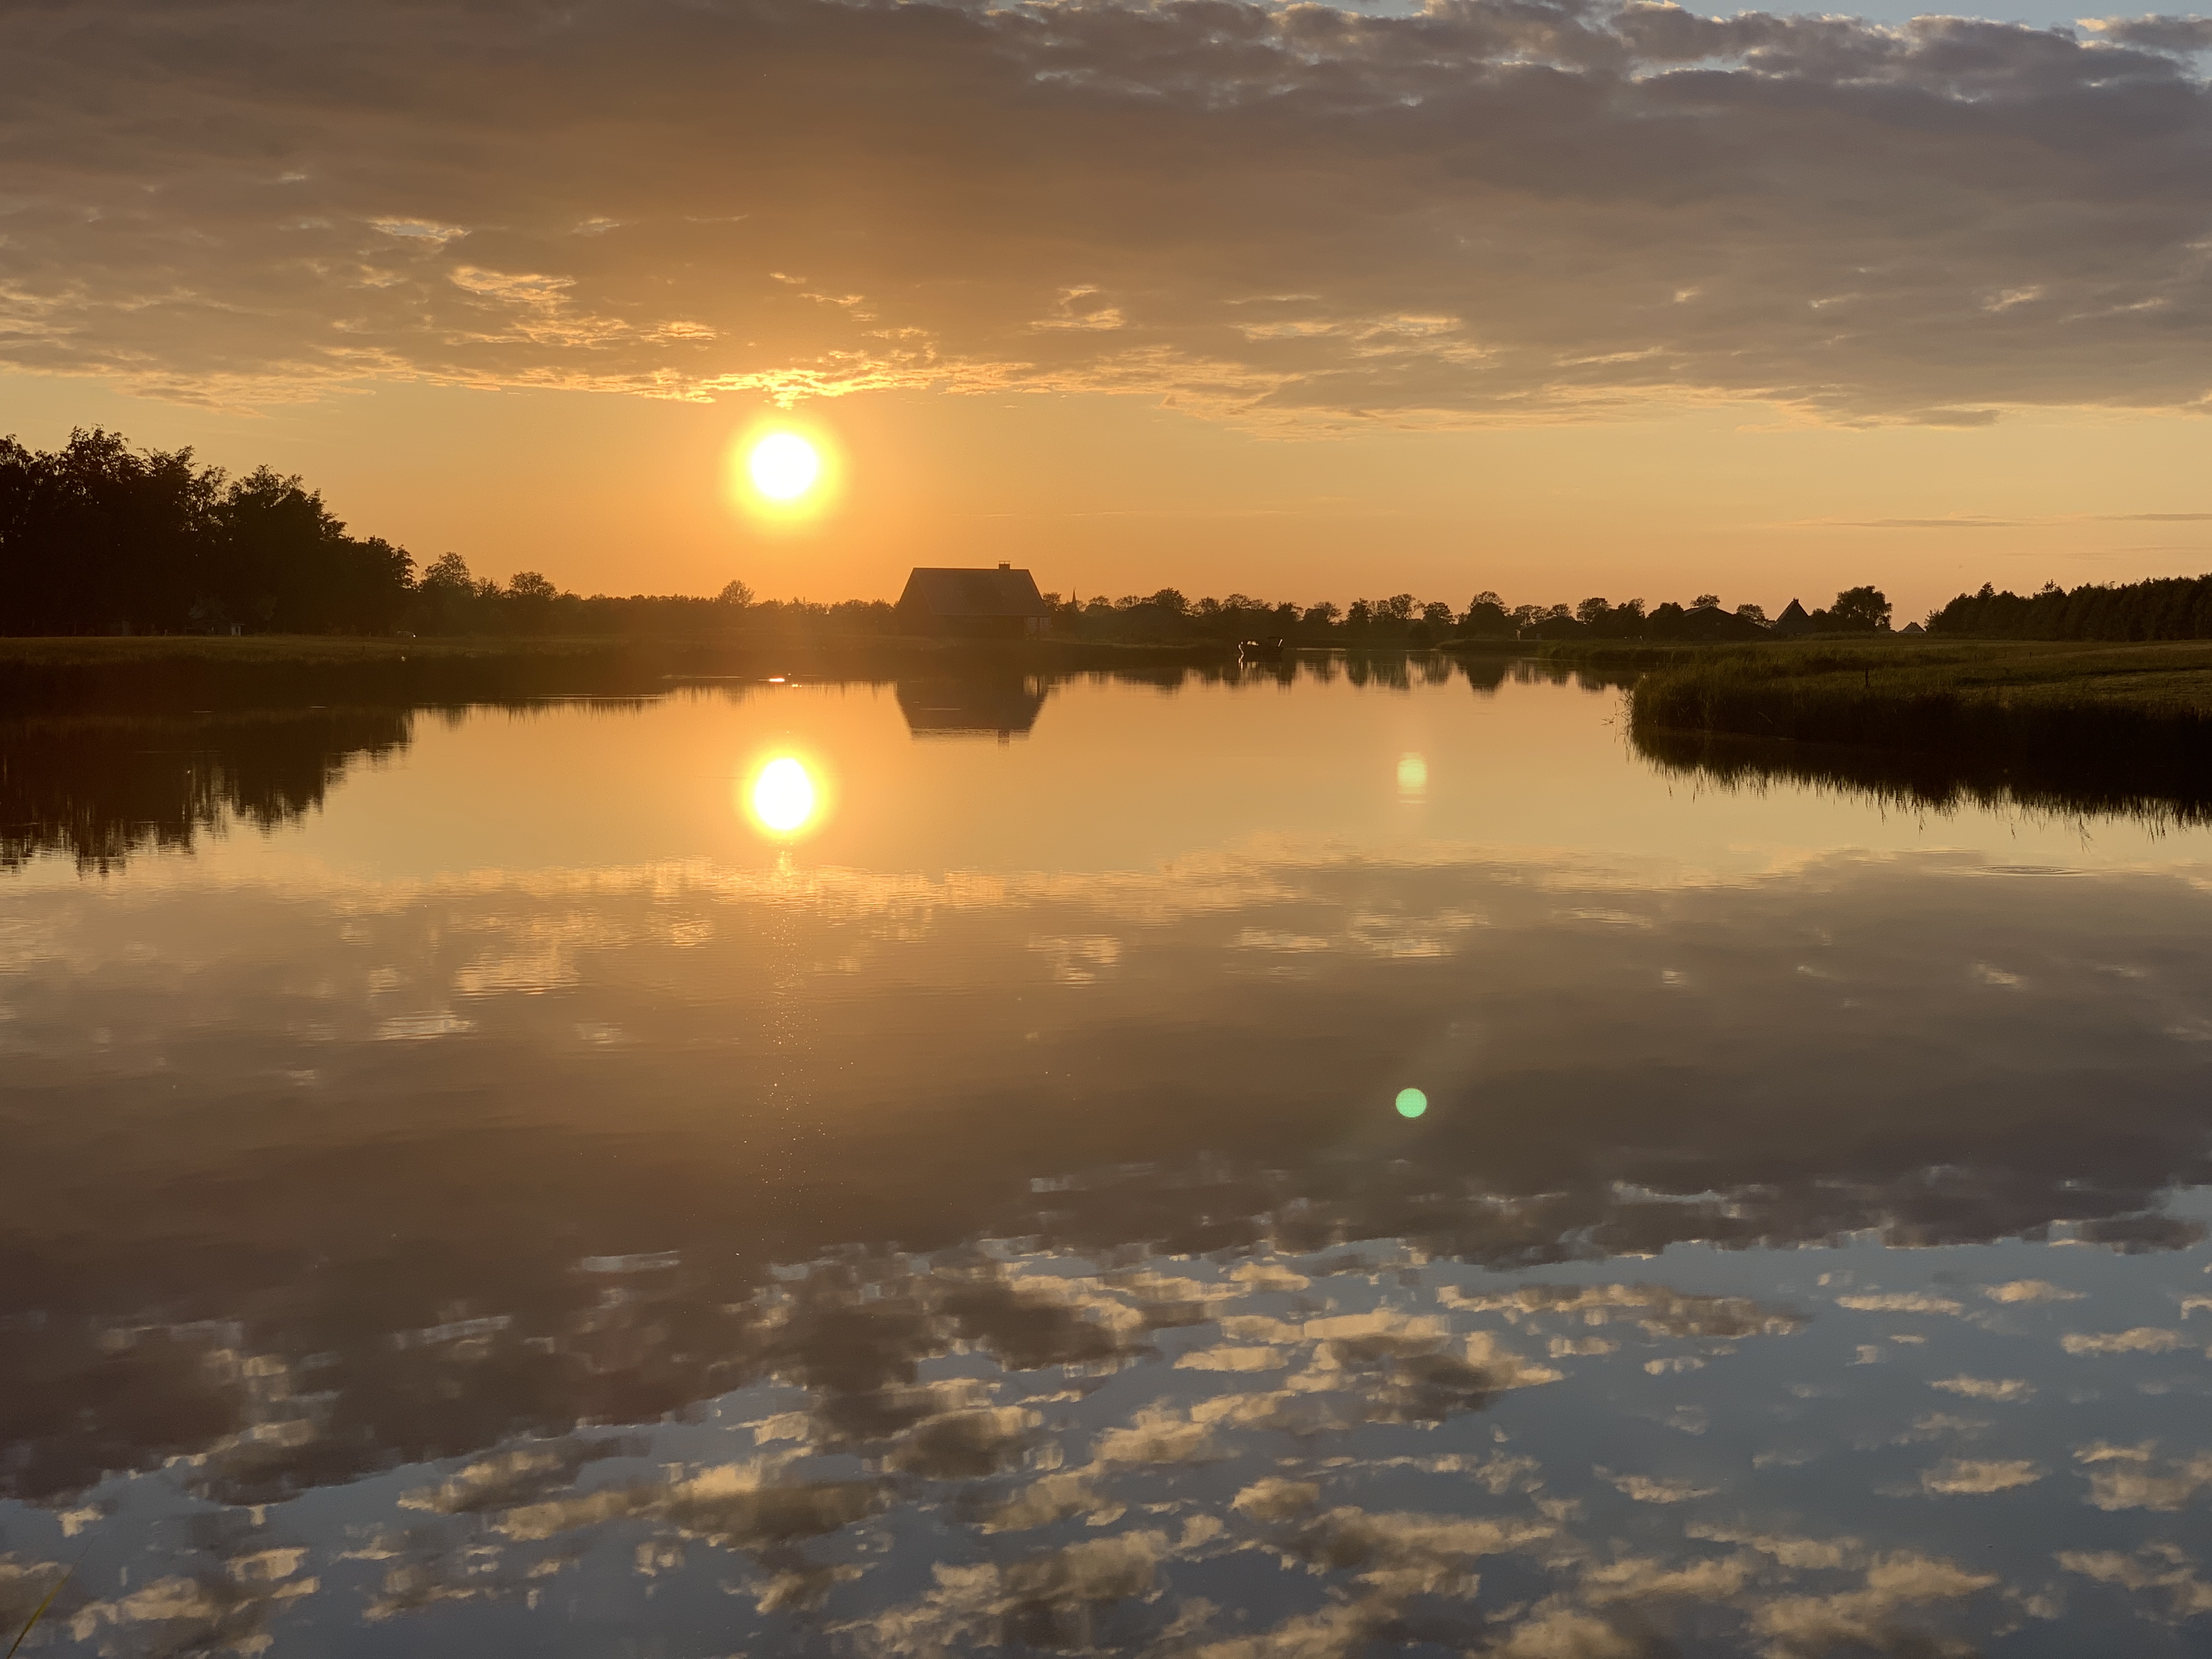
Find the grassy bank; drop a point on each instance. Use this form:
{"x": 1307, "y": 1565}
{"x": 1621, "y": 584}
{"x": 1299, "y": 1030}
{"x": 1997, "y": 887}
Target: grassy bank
{"x": 2077, "y": 726}
{"x": 191, "y": 672}
{"x": 1898, "y": 695}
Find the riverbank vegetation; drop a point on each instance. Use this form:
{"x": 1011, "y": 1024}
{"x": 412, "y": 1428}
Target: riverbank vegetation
{"x": 2074, "y": 727}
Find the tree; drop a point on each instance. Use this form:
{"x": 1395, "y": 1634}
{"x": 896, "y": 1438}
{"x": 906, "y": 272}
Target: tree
{"x": 1592, "y": 612}
{"x": 1323, "y": 615}
{"x": 1398, "y": 608}
{"x": 1860, "y": 611}
{"x": 448, "y": 573}
{"x": 1704, "y": 600}
{"x": 529, "y": 585}
{"x": 1485, "y": 618}
{"x": 1756, "y": 612}
{"x": 1437, "y": 614}
{"x": 1171, "y": 600}
{"x": 735, "y": 593}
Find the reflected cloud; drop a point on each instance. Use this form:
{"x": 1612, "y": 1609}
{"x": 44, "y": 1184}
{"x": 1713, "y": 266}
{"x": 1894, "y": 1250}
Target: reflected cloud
{"x": 910, "y": 1262}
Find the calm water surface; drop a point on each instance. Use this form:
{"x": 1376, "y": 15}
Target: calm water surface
{"x": 477, "y": 1189}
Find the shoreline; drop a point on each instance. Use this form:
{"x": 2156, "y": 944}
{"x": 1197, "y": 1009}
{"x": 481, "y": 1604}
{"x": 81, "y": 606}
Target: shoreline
{"x": 198, "y": 673}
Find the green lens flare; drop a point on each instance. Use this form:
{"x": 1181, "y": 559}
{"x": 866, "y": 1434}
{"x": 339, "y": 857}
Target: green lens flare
{"x": 1412, "y": 1102}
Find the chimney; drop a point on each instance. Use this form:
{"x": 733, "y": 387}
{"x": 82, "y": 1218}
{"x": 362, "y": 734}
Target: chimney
{"x": 1006, "y": 566}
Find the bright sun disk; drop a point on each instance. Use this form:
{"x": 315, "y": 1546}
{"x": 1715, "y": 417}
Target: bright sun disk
{"x": 783, "y": 795}
{"x": 783, "y": 467}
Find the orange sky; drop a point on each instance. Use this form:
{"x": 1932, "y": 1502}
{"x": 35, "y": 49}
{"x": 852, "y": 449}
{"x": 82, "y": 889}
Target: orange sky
{"x": 604, "y": 492}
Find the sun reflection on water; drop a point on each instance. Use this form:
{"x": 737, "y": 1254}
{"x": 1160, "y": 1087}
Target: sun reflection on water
{"x": 783, "y": 797}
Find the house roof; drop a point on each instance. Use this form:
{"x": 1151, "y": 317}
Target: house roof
{"x": 1793, "y": 613}
{"x": 952, "y": 591}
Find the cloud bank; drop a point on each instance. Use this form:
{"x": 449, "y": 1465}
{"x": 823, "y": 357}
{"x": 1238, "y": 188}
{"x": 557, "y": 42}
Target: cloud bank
{"x": 1486, "y": 210}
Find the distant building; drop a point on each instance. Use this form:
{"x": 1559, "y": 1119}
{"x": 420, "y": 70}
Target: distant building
{"x": 974, "y": 605}
{"x": 1912, "y": 631}
{"x": 1703, "y": 621}
{"x": 1793, "y": 621}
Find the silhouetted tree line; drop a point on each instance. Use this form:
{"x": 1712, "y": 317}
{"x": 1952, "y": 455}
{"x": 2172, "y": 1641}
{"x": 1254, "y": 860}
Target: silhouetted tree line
{"x": 97, "y": 537}
{"x": 1403, "y": 621}
{"x": 2163, "y": 607}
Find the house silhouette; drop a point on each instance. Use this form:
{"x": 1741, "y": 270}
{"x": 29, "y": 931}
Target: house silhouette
{"x": 972, "y": 604}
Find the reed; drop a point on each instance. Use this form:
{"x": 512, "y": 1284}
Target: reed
{"x": 2106, "y": 728}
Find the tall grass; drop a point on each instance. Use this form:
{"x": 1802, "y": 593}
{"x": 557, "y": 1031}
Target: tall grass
{"x": 2103, "y": 729}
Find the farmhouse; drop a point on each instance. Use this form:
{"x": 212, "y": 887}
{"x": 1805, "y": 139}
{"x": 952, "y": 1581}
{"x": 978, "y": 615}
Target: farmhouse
{"x": 975, "y": 604}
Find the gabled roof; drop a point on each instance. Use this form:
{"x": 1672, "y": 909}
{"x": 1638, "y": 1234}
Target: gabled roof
{"x": 1793, "y": 613}
{"x": 952, "y": 591}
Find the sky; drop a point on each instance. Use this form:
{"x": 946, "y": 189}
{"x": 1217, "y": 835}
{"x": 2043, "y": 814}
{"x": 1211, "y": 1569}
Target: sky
{"x": 1556, "y": 297}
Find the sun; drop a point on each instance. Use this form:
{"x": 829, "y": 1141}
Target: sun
{"x": 783, "y": 474}
{"x": 783, "y": 467}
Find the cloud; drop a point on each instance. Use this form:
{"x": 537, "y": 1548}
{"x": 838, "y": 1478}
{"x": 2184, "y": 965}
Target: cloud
{"x": 2029, "y": 1290}
{"x": 1930, "y": 524}
{"x": 1483, "y": 210}
{"x": 2156, "y": 1567}
{"x": 2007, "y": 1390}
{"x": 1899, "y": 1301}
{"x": 1812, "y": 1624}
{"x": 1644, "y": 1490}
{"x": 1957, "y": 1476}
{"x": 2134, "y": 1482}
{"x": 2144, "y": 1339}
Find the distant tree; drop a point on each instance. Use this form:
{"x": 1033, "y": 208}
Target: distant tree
{"x": 1360, "y": 617}
{"x": 1591, "y": 611}
{"x": 1398, "y": 608}
{"x": 1170, "y": 600}
{"x": 1438, "y": 615}
{"x": 1756, "y": 612}
{"x": 1860, "y": 611}
{"x": 1704, "y": 600}
{"x": 448, "y": 573}
{"x": 529, "y": 585}
{"x": 735, "y": 592}
{"x": 1485, "y": 618}
{"x": 1323, "y": 615}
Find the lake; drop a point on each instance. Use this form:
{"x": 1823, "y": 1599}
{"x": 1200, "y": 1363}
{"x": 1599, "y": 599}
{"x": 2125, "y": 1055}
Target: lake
{"x": 1348, "y": 1159}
